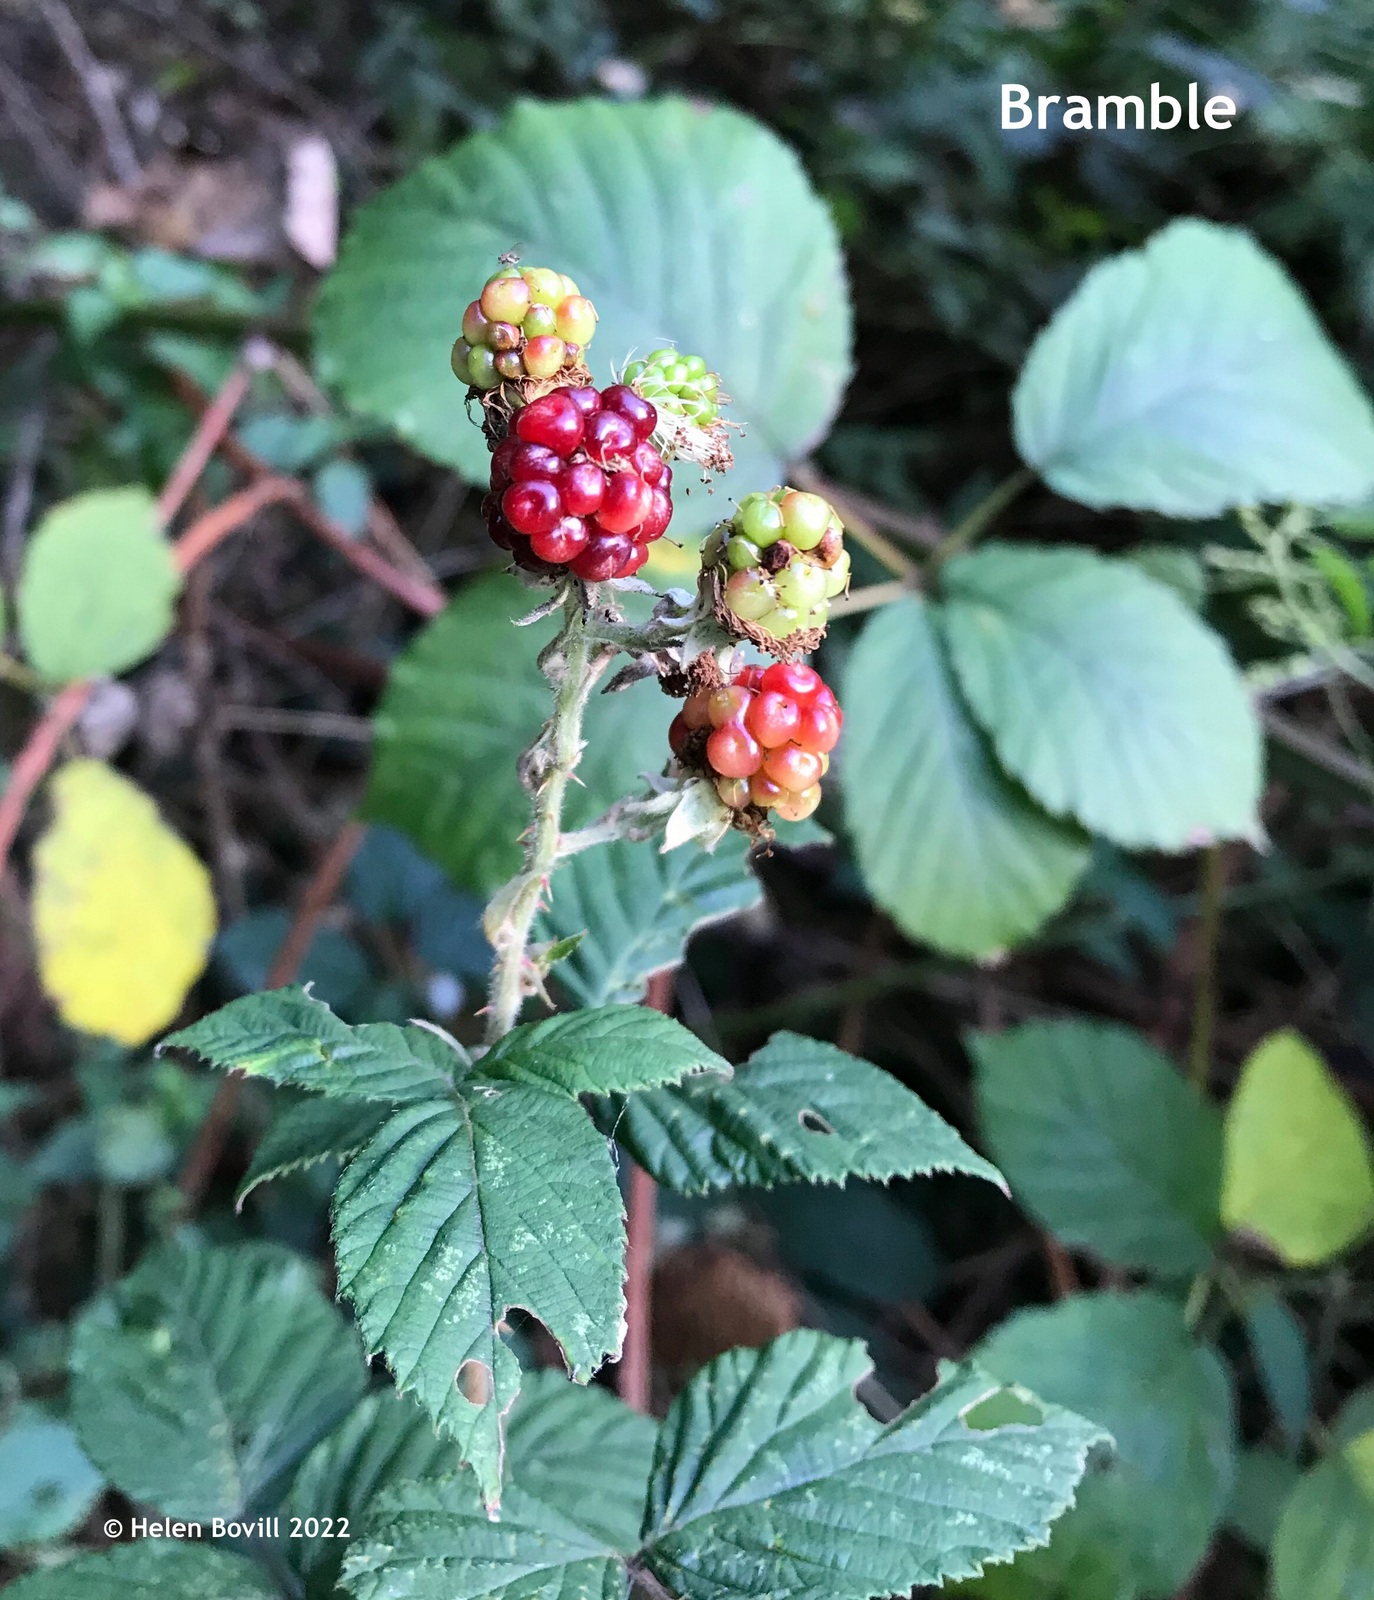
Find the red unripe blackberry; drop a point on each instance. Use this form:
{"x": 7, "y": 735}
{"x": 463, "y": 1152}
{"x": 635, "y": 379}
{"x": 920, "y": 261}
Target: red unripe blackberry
{"x": 772, "y": 718}
{"x": 791, "y": 678}
{"x": 626, "y": 502}
{"x": 678, "y": 734}
{"x": 609, "y": 435}
{"x": 793, "y": 767}
{"x": 567, "y": 538}
{"x": 586, "y": 400}
{"x": 819, "y": 729}
{"x": 697, "y": 712}
{"x": 658, "y": 516}
{"x": 639, "y": 554}
{"x": 501, "y": 459}
{"x": 638, "y": 411}
{"x": 604, "y": 557}
{"x": 554, "y": 420}
{"x": 532, "y": 461}
{"x": 727, "y": 704}
{"x": 582, "y": 484}
{"x": 648, "y": 463}
{"x": 733, "y": 751}
{"x": 765, "y": 791}
{"x": 532, "y": 507}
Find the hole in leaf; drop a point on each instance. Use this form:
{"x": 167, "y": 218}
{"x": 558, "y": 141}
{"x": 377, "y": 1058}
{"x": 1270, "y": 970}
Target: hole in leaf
{"x": 1002, "y": 1409}
{"x": 474, "y": 1382}
{"x": 813, "y": 1121}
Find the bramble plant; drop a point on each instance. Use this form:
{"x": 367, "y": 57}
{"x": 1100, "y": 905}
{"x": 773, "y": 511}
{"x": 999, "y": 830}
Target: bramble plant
{"x": 1002, "y": 707}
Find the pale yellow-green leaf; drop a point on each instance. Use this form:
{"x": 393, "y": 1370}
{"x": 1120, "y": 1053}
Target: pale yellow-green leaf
{"x": 1298, "y": 1168}
{"x": 123, "y": 911}
{"x": 1359, "y": 1457}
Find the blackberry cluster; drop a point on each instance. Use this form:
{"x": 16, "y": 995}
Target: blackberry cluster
{"x": 528, "y": 322}
{"x": 782, "y": 560}
{"x": 765, "y": 738}
{"x": 578, "y": 484}
{"x": 678, "y": 385}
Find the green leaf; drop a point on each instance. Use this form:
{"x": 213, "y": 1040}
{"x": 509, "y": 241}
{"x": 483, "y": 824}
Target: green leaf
{"x": 47, "y": 1486}
{"x": 583, "y": 1452}
{"x": 611, "y": 1050}
{"x": 1104, "y": 1141}
{"x": 434, "y": 1541}
{"x": 1279, "y": 1346}
{"x": 384, "y": 1440}
{"x": 1324, "y": 1546}
{"x": 770, "y": 1479}
{"x": 152, "y": 1569}
{"x": 464, "y": 700}
{"x": 1190, "y": 377}
{"x": 638, "y": 907}
{"x": 289, "y": 1037}
{"x": 96, "y": 591}
{"x": 1127, "y": 1361}
{"x": 682, "y": 223}
{"x": 1105, "y": 695}
{"x": 1264, "y": 1484}
{"x": 1298, "y": 1171}
{"x": 953, "y": 850}
{"x": 315, "y": 1130}
{"x": 201, "y": 1379}
{"x": 798, "y": 1110}
{"x": 458, "y": 1211}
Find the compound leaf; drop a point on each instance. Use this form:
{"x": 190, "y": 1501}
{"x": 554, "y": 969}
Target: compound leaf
{"x": 638, "y": 907}
{"x": 434, "y": 1541}
{"x": 460, "y": 1209}
{"x": 292, "y": 1039}
{"x": 98, "y": 585}
{"x": 681, "y": 222}
{"x": 1104, "y": 695}
{"x": 1189, "y": 377}
{"x": 1128, "y": 1361}
{"x": 771, "y": 1479}
{"x": 123, "y": 911}
{"x": 201, "y": 1379}
{"x": 563, "y": 1439}
{"x": 464, "y": 699}
{"x": 317, "y": 1129}
{"x": 1299, "y": 1174}
{"x": 610, "y": 1050}
{"x": 151, "y": 1569}
{"x": 799, "y": 1110}
{"x": 946, "y": 843}
{"x": 384, "y": 1440}
{"x": 1104, "y": 1141}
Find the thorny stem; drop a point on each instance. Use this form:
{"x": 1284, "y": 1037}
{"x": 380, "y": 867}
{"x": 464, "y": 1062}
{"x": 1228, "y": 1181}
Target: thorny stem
{"x": 573, "y": 666}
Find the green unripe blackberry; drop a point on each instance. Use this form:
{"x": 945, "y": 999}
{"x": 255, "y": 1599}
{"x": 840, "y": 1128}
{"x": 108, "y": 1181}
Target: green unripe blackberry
{"x": 529, "y": 322}
{"x": 778, "y": 563}
{"x": 678, "y": 385}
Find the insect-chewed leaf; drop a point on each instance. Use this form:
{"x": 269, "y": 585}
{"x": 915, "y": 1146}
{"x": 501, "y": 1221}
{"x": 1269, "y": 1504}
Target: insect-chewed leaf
{"x": 201, "y": 1379}
{"x": 766, "y": 1456}
{"x": 1104, "y": 1140}
{"x": 1189, "y": 377}
{"x": 1129, "y": 1361}
{"x": 798, "y": 1110}
{"x": 293, "y": 1039}
{"x": 151, "y": 1569}
{"x": 123, "y": 911}
{"x": 1104, "y": 695}
{"x": 98, "y": 584}
{"x": 607, "y": 1051}
{"x": 638, "y": 908}
{"x": 946, "y": 842}
{"x": 461, "y": 1208}
{"x": 384, "y": 1440}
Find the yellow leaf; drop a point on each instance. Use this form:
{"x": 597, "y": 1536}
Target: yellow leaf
{"x": 123, "y": 911}
{"x": 1298, "y": 1169}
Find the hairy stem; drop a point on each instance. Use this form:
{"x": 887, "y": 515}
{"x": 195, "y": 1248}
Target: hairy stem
{"x": 574, "y": 667}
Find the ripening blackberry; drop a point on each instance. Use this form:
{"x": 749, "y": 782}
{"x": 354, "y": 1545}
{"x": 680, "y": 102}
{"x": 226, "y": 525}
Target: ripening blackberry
{"x": 764, "y": 738}
{"x": 577, "y": 484}
{"x": 779, "y": 562}
{"x": 528, "y": 322}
